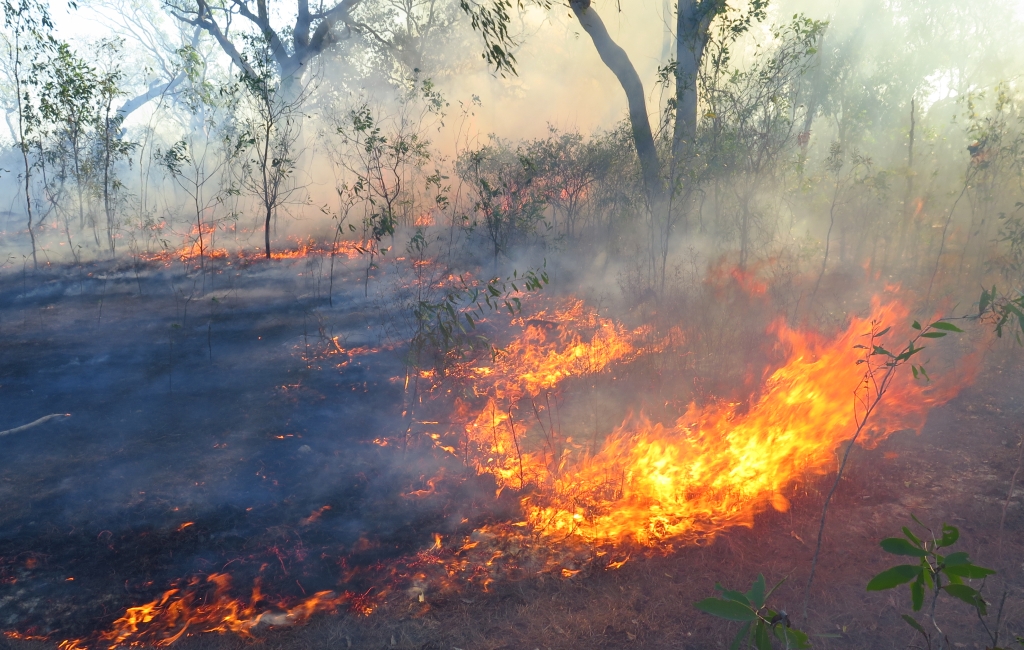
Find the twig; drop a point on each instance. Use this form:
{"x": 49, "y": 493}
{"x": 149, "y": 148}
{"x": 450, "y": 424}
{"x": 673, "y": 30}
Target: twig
{"x": 879, "y": 389}
{"x": 45, "y": 418}
{"x": 1009, "y": 495}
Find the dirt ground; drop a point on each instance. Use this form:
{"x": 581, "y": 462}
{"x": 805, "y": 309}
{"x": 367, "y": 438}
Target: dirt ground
{"x": 234, "y": 414}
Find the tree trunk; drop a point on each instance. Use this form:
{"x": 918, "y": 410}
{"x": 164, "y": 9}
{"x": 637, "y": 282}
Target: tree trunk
{"x": 618, "y": 62}
{"x": 266, "y": 229}
{"x": 693, "y": 18}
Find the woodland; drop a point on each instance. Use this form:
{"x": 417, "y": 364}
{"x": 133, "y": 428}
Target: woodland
{"x": 504, "y": 324}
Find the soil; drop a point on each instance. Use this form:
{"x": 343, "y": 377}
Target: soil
{"x": 199, "y": 431}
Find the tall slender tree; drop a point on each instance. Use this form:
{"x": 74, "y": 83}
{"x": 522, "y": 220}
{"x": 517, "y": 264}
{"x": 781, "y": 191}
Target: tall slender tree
{"x": 29, "y": 39}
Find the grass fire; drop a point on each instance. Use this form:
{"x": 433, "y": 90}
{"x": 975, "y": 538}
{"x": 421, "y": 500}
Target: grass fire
{"x": 478, "y": 325}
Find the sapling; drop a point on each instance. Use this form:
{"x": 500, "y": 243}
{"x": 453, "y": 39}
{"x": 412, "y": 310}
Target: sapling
{"x": 936, "y": 574}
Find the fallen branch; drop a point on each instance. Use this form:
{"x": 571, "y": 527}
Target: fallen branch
{"x": 45, "y": 418}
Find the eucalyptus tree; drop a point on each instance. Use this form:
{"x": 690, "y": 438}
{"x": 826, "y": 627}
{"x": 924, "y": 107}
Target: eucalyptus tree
{"x": 268, "y": 130}
{"x": 68, "y": 102}
{"x": 198, "y": 158}
{"x": 28, "y": 40}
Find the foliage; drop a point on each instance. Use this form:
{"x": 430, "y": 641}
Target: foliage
{"x": 506, "y": 192}
{"x": 1002, "y": 311}
{"x": 933, "y": 575}
{"x": 268, "y": 130}
{"x": 762, "y": 626}
{"x": 446, "y": 328}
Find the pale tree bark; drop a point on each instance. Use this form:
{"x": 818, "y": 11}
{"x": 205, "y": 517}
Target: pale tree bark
{"x": 618, "y": 62}
{"x": 693, "y": 20}
{"x": 309, "y": 36}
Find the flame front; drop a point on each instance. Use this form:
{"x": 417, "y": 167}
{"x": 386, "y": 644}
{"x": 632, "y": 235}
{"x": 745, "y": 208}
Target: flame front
{"x": 655, "y": 484}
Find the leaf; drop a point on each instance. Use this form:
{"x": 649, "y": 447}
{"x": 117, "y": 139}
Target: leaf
{"x": 917, "y": 593}
{"x": 914, "y": 624}
{"x": 900, "y": 546}
{"x": 735, "y": 597}
{"x": 730, "y": 610}
{"x": 884, "y": 332}
{"x": 984, "y": 301}
{"x": 956, "y": 559}
{"x": 945, "y": 326}
{"x": 792, "y": 638}
{"x": 916, "y": 325}
{"x": 969, "y": 571}
{"x": 880, "y": 350}
{"x": 933, "y": 335}
{"x": 969, "y": 595}
{"x": 949, "y": 535}
{"x": 762, "y": 640}
{"x": 756, "y": 593}
{"x": 740, "y": 637}
{"x": 911, "y": 536}
{"x": 894, "y": 577}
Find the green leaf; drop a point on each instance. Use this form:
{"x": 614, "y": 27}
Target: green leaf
{"x": 913, "y": 369}
{"x": 969, "y": 595}
{"x": 911, "y": 536}
{"x": 916, "y": 325}
{"x": 730, "y": 610}
{"x": 880, "y": 350}
{"x": 735, "y": 596}
{"x": 894, "y": 577}
{"x": 956, "y": 559}
{"x": 742, "y": 636}
{"x": 985, "y": 300}
{"x": 756, "y": 593}
{"x": 914, "y": 624}
{"x": 970, "y": 571}
{"x": 884, "y": 332}
{"x": 917, "y": 593}
{"x": 949, "y": 535}
{"x": 792, "y": 638}
{"x": 900, "y": 546}
{"x": 945, "y": 326}
{"x": 933, "y": 335}
{"x": 762, "y": 640}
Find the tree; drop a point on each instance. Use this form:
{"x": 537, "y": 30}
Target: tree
{"x": 28, "y": 39}
{"x": 68, "y": 102}
{"x": 269, "y": 131}
{"x": 110, "y": 145}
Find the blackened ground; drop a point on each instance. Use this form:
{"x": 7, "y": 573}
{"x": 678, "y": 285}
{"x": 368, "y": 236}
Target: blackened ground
{"x": 206, "y": 427}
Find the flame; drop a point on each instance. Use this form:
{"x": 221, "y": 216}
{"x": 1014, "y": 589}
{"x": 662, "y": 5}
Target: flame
{"x": 649, "y": 484}
{"x": 658, "y": 484}
{"x": 193, "y": 609}
{"x": 191, "y": 250}
{"x": 550, "y": 350}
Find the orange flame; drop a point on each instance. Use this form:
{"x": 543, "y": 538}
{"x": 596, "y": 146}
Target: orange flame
{"x": 181, "y": 611}
{"x": 656, "y": 484}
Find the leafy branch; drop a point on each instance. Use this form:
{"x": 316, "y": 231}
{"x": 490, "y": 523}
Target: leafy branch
{"x": 761, "y": 623}
{"x": 880, "y": 370}
{"x": 1002, "y": 311}
{"x": 937, "y": 574}
{"x": 446, "y": 328}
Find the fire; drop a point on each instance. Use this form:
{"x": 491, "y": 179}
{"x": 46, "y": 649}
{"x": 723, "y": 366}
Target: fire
{"x": 191, "y": 250}
{"x": 194, "y": 609}
{"x": 648, "y": 485}
{"x": 658, "y": 484}
{"x": 550, "y": 350}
